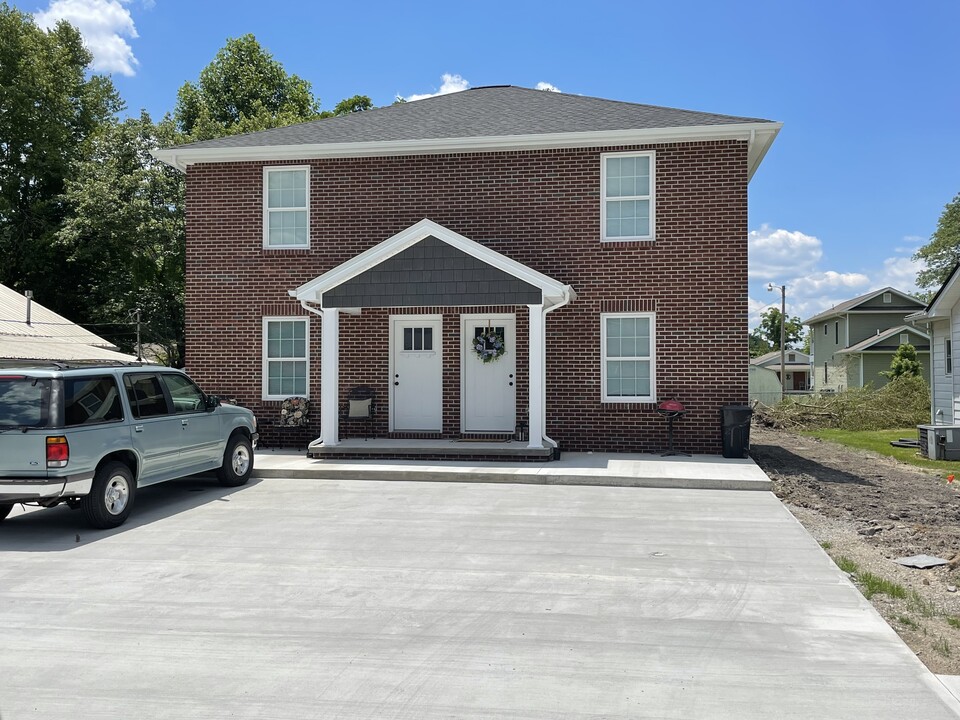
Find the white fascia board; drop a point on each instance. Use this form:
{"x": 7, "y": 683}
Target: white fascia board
{"x": 759, "y": 135}
{"x": 368, "y": 259}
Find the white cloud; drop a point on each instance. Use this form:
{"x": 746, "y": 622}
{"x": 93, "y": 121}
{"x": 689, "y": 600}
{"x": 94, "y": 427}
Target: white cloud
{"x": 547, "y": 86}
{"x": 793, "y": 258}
{"x": 450, "y": 84}
{"x": 103, "y": 24}
{"x": 776, "y": 253}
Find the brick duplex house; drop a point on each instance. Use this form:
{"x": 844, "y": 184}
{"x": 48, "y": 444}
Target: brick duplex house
{"x": 604, "y": 243}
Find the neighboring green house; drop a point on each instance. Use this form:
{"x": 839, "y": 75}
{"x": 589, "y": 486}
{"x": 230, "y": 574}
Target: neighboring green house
{"x": 852, "y": 342}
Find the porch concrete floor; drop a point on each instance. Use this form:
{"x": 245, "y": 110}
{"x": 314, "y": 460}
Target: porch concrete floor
{"x": 709, "y": 472}
{"x": 357, "y": 600}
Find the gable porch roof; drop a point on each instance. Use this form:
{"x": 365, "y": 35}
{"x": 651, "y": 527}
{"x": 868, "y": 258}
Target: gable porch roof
{"x": 551, "y": 291}
{"x": 870, "y": 342}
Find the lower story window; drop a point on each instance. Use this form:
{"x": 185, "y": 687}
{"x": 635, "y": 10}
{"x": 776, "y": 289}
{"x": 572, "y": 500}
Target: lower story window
{"x": 627, "y": 361}
{"x": 284, "y": 358}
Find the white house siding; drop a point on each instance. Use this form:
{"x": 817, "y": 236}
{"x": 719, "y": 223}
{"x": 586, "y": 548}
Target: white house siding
{"x": 954, "y": 379}
{"x": 942, "y": 386}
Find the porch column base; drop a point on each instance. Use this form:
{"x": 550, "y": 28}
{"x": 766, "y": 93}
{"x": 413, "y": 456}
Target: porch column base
{"x": 330, "y": 378}
{"x": 536, "y": 358}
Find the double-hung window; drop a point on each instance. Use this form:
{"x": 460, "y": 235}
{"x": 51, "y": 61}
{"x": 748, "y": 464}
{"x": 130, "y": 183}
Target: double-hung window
{"x": 286, "y": 221}
{"x": 627, "y": 196}
{"x": 627, "y": 362}
{"x": 285, "y": 360}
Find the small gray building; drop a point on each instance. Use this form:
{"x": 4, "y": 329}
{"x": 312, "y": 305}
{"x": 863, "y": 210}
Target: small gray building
{"x": 854, "y": 341}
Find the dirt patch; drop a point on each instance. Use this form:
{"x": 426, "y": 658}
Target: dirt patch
{"x": 871, "y": 509}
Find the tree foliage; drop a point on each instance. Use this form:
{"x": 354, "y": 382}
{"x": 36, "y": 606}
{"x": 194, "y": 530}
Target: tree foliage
{"x": 124, "y": 237}
{"x": 766, "y": 337}
{"x": 942, "y": 253}
{"x": 242, "y": 90}
{"x": 49, "y": 106}
{"x": 904, "y": 363}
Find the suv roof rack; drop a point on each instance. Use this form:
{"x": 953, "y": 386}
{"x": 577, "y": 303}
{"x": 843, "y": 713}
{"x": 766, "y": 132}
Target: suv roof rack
{"x": 84, "y": 365}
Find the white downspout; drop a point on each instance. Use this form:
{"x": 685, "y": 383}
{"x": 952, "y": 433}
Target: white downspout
{"x": 568, "y": 295}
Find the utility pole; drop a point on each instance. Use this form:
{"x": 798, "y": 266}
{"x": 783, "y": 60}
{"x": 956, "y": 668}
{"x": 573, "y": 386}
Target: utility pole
{"x": 139, "y": 345}
{"x": 783, "y": 320}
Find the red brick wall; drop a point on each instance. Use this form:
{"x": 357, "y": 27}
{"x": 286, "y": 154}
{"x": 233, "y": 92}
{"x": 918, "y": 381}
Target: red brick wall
{"x": 541, "y": 208}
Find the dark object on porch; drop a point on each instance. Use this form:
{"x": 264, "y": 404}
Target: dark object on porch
{"x": 361, "y": 406}
{"x": 520, "y": 434}
{"x": 294, "y": 422}
{"x": 671, "y": 410}
{"x": 735, "y": 425}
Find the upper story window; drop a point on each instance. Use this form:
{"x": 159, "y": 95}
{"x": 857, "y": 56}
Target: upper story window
{"x": 904, "y": 338}
{"x": 285, "y": 207}
{"x": 627, "y": 196}
{"x": 888, "y": 297}
{"x": 948, "y": 356}
{"x": 627, "y": 363}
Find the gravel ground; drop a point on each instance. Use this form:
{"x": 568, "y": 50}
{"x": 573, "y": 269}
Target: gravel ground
{"x": 871, "y": 509}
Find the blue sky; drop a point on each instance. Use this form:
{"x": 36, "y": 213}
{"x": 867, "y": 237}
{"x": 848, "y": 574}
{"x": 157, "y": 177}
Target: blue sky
{"x": 867, "y": 91}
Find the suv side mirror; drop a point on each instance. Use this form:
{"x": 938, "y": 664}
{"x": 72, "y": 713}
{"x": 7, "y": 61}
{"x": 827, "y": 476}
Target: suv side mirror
{"x": 212, "y": 402}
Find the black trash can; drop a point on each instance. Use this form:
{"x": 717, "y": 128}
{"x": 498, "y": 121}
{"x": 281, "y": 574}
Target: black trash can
{"x": 735, "y": 426}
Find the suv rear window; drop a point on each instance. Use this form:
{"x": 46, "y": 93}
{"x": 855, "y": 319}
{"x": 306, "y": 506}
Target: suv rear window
{"x": 90, "y": 400}
{"x": 24, "y": 401}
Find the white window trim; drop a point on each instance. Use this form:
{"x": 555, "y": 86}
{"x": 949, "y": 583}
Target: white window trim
{"x": 653, "y": 359}
{"x": 653, "y": 192}
{"x": 267, "y": 210}
{"x": 265, "y": 378}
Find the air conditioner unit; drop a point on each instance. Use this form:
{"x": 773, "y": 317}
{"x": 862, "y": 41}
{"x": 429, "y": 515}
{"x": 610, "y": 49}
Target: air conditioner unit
{"x": 940, "y": 442}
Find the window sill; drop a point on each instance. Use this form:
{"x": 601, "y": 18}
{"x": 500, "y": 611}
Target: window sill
{"x": 628, "y": 240}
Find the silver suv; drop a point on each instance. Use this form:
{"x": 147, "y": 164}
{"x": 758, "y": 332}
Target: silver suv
{"x": 91, "y": 435}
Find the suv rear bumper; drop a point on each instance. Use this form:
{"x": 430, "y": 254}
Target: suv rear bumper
{"x": 30, "y": 489}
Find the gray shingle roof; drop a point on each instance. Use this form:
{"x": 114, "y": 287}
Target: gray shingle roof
{"x": 494, "y": 111}
{"x": 841, "y": 308}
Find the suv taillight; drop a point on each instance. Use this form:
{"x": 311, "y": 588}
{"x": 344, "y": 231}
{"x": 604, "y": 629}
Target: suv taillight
{"x": 58, "y": 451}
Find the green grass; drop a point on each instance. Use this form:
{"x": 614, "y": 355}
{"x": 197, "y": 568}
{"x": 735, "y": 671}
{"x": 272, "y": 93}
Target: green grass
{"x": 942, "y": 646}
{"x": 924, "y": 607}
{"x": 876, "y": 585}
{"x": 879, "y": 441}
{"x": 954, "y": 622}
{"x": 908, "y": 622}
{"x": 847, "y": 565}
{"x": 826, "y": 544}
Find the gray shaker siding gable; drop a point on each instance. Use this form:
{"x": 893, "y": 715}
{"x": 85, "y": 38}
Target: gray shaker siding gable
{"x": 431, "y": 273}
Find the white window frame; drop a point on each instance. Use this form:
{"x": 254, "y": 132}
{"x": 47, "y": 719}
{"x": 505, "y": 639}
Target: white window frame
{"x": 267, "y": 209}
{"x": 652, "y": 196}
{"x": 265, "y": 364}
{"x": 653, "y": 359}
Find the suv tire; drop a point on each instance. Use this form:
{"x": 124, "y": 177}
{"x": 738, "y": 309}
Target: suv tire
{"x": 4, "y": 511}
{"x": 237, "y": 461}
{"x": 111, "y": 498}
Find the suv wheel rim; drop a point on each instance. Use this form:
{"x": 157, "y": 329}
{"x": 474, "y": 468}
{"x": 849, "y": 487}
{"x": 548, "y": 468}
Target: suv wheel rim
{"x": 117, "y": 495}
{"x": 241, "y": 460}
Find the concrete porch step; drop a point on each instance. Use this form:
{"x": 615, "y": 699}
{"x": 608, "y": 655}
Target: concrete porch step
{"x": 605, "y": 469}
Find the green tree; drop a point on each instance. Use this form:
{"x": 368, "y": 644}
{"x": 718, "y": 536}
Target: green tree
{"x": 766, "y": 337}
{"x": 904, "y": 363}
{"x": 942, "y": 253}
{"x": 124, "y": 238}
{"x": 50, "y": 104}
{"x": 357, "y": 103}
{"x": 242, "y": 90}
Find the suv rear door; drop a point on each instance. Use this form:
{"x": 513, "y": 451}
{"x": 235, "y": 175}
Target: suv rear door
{"x": 155, "y": 431}
{"x": 25, "y": 402}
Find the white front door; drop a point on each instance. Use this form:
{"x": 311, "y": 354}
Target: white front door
{"x": 489, "y": 397}
{"x": 416, "y": 373}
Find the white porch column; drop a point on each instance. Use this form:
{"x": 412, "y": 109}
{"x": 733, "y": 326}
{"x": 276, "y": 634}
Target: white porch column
{"x": 330, "y": 377}
{"x": 537, "y": 365}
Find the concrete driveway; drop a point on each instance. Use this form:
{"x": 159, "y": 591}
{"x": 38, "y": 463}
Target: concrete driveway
{"x": 345, "y": 599}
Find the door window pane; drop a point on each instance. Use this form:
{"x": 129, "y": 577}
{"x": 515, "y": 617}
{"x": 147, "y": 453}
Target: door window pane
{"x": 145, "y": 395}
{"x": 186, "y": 396}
